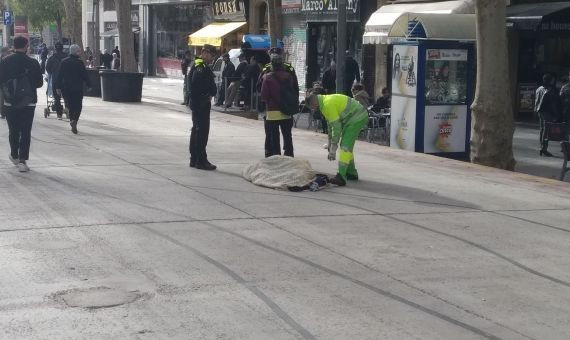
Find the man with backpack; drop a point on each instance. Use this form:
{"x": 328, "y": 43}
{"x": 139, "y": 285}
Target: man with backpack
{"x": 280, "y": 92}
{"x": 20, "y": 76}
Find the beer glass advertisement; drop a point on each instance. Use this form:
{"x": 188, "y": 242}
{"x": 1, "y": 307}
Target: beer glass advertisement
{"x": 445, "y": 128}
{"x": 405, "y": 70}
{"x": 403, "y": 126}
{"x": 446, "y": 77}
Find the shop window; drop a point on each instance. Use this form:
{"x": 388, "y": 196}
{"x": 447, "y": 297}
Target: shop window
{"x": 109, "y": 5}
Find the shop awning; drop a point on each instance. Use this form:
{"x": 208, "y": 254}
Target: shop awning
{"x": 213, "y": 33}
{"x": 260, "y": 41}
{"x": 533, "y": 16}
{"x": 379, "y": 24}
{"x": 115, "y": 32}
{"x": 434, "y": 26}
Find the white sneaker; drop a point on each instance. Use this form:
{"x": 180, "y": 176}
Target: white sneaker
{"x": 14, "y": 160}
{"x": 23, "y": 167}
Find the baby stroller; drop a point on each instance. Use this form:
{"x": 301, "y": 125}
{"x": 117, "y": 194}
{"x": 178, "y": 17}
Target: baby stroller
{"x": 52, "y": 101}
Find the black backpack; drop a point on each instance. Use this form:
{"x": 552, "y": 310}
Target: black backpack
{"x": 18, "y": 91}
{"x": 289, "y": 102}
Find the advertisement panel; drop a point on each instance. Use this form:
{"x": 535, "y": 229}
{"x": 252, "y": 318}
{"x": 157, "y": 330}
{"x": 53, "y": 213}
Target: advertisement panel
{"x": 446, "y": 77}
{"x": 403, "y": 123}
{"x": 445, "y": 128}
{"x": 404, "y": 70}
{"x": 404, "y": 92}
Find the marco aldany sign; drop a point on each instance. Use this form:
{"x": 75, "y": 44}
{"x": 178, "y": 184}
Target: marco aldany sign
{"x": 327, "y": 10}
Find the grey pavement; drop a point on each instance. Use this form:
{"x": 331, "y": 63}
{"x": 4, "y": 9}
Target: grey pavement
{"x": 113, "y": 236}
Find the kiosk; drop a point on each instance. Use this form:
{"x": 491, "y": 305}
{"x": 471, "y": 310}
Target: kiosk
{"x": 433, "y": 78}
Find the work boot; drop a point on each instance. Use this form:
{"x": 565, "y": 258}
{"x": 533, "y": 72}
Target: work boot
{"x": 338, "y": 180}
{"x": 192, "y": 163}
{"x": 73, "y": 124}
{"x": 206, "y": 166}
{"x": 352, "y": 177}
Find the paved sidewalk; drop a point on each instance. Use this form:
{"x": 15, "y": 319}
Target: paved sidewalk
{"x": 112, "y": 235}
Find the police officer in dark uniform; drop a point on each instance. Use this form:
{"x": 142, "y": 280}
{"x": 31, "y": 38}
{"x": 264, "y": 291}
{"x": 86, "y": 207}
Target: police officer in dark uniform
{"x": 202, "y": 89}
{"x": 276, "y": 53}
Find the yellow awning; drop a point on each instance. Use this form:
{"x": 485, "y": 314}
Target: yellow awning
{"x": 213, "y": 33}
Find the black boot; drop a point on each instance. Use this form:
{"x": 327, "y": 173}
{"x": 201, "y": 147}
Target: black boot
{"x": 338, "y": 180}
{"x": 206, "y": 166}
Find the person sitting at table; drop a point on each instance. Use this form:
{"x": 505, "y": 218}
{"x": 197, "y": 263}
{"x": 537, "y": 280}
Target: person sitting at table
{"x": 383, "y": 102}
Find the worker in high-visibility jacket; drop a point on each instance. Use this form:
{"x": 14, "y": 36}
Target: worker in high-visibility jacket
{"x": 346, "y": 117}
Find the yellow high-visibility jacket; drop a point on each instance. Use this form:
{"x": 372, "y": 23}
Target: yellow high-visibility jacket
{"x": 339, "y": 111}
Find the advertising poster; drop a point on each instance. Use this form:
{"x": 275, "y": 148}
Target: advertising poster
{"x": 446, "y": 77}
{"x": 405, "y": 70}
{"x": 526, "y": 97}
{"x": 445, "y": 128}
{"x": 404, "y": 92}
{"x": 403, "y": 123}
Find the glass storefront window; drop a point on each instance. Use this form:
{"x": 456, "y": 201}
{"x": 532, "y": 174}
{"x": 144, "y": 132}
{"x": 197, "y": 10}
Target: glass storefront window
{"x": 173, "y": 25}
{"x": 446, "y": 77}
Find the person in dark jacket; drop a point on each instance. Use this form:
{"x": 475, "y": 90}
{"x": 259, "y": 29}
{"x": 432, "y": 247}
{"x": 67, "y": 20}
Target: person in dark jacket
{"x": 547, "y": 106}
{"x": 184, "y": 66}
{"x": 202, "y": 89}
{"x": 4, "y": 52}
{"x": 239, "y": 74}
{"x": 69, "y": 83}
{"x": 251, "y": 76}
{"x": 227, "y": 73}
{"x": 116, "y": 50}
{"x": 52, "y": 68}
{"x": 106, "y": 59}
{"x": 383, "y": 102}
{"x": 565, "y": 101}
{"x": 351, "y": 73}
{"x": 43, "y": 57}
{"x": 274, "y": 76}
{"x": 20, "y": 119}
{"x": 329, "y": 78}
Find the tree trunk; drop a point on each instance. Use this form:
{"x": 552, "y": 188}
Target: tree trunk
{"x": 126, "y": 39}
{"x": 59, "y": 30}
{"x": 492, "y": 127}
{"x": 272, "y": 21}
{"x": 73, "y": 19}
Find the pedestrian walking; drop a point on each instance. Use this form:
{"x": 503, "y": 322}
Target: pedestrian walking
{"x": 547, "y": 106}
{"x": 202, "y": 89}
{"x": 116, "y": 63}
{"x": 20, "y": 77}
{"x": 69, "y": 83}
{"x": 106, "y": 59}
{"x": 565, "y": 100}
{"x": 185, "y": 66}
{"x": 116, "y": 51}
{"x": 346, "y": 118}
{"x": 52, "y": 68}
{"x": 227, "y": 73}
{"x": 44, "y": 52}
{"x": 351, "y": 73}
{"x": 4, "y": 52}
{"x": 278, "y": 84}
{"x": 236, "y": 81}
{"x": 329, "y": 78}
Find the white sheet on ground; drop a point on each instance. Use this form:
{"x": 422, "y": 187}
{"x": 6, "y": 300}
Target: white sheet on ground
{"x": 280, "y": 172}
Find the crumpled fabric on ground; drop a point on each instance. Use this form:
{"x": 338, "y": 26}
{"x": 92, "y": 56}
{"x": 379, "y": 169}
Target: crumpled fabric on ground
{"x": 280, "y": 172}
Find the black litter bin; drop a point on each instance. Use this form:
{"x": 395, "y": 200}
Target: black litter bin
{"x": 95, "y": 80}
{"x": 121, "y": 87}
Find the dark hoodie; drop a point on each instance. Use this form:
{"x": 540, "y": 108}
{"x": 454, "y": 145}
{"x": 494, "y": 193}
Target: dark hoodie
{"x": 52, "y": 66}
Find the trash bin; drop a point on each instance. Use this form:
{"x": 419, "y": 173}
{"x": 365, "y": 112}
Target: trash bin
{"x": 124, "y": 87}
{"x": 95, "y": 80}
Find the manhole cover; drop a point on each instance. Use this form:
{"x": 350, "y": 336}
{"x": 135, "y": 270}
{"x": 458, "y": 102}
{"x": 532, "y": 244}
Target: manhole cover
{"x": 97, "y": 297}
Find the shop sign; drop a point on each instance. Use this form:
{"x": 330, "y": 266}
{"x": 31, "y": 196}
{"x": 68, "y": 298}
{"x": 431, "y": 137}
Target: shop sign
{"x": 291, "y": 6}
{"x": 21, "y": 25}
{"x": 327, "y": 9}
{"x": 229, "y": 10}
{"x": 110, "y": 25}
{"x": 555, "y": 26}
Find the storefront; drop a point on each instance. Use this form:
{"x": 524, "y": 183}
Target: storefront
{"x": 309, "y": 35}
{"x": 227, "y": 30}
{"x": 539, "y": 43}
{"x": 166, "y": 28}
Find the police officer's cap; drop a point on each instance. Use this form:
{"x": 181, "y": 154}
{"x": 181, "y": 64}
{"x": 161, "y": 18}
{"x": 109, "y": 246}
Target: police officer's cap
{"x": 209, "y": 48}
